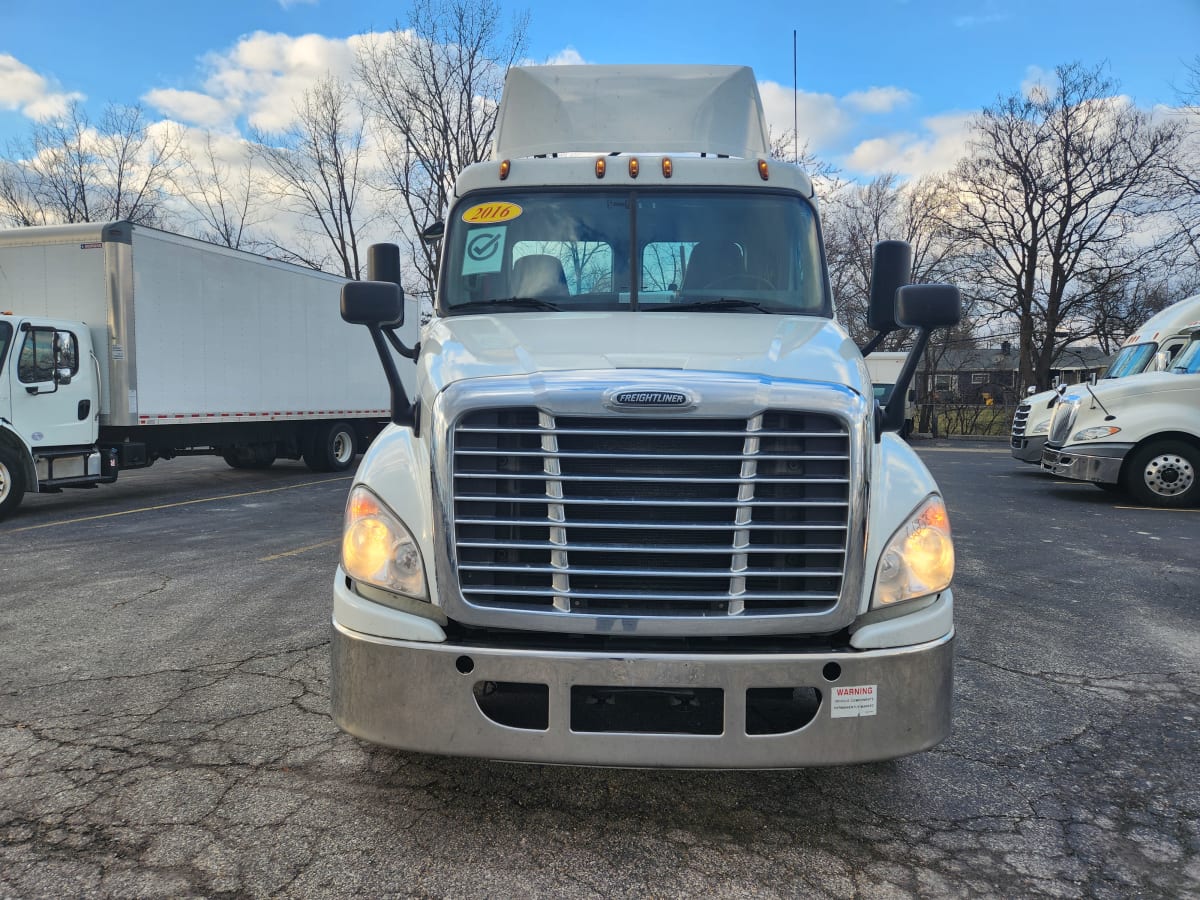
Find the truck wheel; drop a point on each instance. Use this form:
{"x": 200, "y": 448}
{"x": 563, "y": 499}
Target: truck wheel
{"x": 12, "y": 482}
{"x": 332, "y": 447}
{"x": 1164, "y": 473}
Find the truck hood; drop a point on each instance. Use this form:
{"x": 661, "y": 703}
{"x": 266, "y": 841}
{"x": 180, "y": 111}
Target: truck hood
{"x": 778, "y": 347}
{"x": 1135, "y": 388}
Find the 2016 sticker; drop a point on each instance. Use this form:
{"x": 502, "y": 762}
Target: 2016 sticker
{"x": 491, "y": 213}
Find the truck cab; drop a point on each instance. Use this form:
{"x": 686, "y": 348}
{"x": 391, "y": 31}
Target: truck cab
{"x": 639, "y": 505}
{"x": 49, "y": 406}
{"x": 1140, "y": 434}
{"x": 1149, "y": 349}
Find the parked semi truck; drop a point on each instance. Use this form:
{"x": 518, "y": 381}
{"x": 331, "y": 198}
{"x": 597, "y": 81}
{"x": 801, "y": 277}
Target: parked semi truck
{"x": 884, "y": 368}
{"x": 1140, "y": 434}
{"x": 641, "y": 507}
{"x": 121, "y": 345}
{"x": 1149, "y": 349}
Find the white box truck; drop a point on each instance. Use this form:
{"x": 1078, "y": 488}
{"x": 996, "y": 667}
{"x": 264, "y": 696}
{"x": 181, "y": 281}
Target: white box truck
{"x": 640, "y": 507}
{"x": 1149, "y": 349}
{"x": 1140, "y": 434}
{"x": 121, "y": 344}
{"x": 885, "y": 367}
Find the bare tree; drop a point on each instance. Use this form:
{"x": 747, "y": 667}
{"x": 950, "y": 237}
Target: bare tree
{"x": 434, "y": 91}
{"x": 319, "y": 171}
{"x": 221, "y": 193}
{"x": 860, "y": 215}
{"x": 1054, "y": 199}
{"x": 73, "y": 171}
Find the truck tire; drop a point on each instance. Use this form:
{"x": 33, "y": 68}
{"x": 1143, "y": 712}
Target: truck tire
{"x": 332, "y": 447}
{"x": 12, "y": 482}
{"x": 1164, "y": 473}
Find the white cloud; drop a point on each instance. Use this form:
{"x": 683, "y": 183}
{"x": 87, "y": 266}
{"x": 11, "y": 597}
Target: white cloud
{"x": 192, "y": 107}
{"x": 937, "y": 148}
{"x": 1038, "y": 83}
{"x": 568, "y": 56}
{"x": 821, "y": 121}
{"x": 35, "y": 96}
{"x": 878, "y": 99}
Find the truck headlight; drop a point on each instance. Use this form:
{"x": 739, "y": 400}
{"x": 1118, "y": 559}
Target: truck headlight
{"x": 919, "y": 559}
{"x": 378, "y": 549}
{"x": 1095, "y": 434}
{"x": 1042, "y": 427}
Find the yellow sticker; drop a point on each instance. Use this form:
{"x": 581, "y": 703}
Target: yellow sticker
{"x": 497, "y": 211}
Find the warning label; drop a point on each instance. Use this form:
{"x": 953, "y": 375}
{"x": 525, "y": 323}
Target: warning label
{"x": 853, "y": 700}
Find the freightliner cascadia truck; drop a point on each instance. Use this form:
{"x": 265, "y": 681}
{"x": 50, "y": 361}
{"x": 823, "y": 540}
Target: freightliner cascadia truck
{"x": 121, "y": 345}
{"x": 638, "y": 505}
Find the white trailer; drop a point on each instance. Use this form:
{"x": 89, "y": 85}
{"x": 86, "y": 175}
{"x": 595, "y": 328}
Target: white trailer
{"x": 121, "y": 344}
{"x": 885, "y": 368}
{"x": 1149, "y": 349}
{"x": 641, "y": 507}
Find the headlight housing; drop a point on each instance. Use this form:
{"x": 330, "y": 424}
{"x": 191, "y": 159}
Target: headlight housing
{"x": 1095, "y": 434}
{"x": 1042, "y": 427}
{"x": 919, "y": 558}
{"x": 377, "y": 549}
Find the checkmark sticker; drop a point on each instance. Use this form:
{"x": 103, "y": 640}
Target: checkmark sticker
{"x": 484, "y": 250}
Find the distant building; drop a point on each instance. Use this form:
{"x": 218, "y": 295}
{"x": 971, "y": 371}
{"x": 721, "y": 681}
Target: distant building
{"x": 991, "y": 374}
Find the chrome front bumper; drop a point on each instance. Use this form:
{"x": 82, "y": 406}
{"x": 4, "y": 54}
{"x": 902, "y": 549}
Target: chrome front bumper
{"x": 1101, "y": 463}
{"x": 1028, "y": 449}
{"x": 425, "y": 697}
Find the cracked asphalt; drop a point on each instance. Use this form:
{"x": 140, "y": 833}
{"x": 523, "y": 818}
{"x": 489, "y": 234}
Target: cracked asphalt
{"x": 164, "y": 726}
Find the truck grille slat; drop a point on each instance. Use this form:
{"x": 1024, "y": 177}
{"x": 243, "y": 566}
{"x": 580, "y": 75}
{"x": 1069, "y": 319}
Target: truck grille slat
{"x": 651, "y": 516}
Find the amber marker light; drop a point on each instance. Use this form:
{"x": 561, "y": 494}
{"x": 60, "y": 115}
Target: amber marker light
{"x": 668, "y": 167}
{"x": 763, "y": 171}
{"x": 634, "y": 167}
{"x": 505, "y": 168}
{"x": 601, "y": 165}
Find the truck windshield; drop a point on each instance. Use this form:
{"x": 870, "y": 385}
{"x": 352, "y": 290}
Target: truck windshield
{"x": 694, "y": 251}
{"x": 1131, "y": 360}
{"x": 1188, "y": 361}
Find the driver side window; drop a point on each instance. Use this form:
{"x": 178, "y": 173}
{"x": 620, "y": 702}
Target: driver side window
{"x": 36, "y": 362}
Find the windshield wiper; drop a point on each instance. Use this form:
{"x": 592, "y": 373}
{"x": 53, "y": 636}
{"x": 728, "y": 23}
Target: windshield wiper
{"x": 716, "y": 303}
{"x": 509, "y": 302}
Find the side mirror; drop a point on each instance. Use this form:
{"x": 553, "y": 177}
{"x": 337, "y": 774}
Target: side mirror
{"x": 378, "y": 303}
{"x": 891, "y": 269}
{"x": 62, "y": 376}
{"x": 433, "y": 233}
{"x": 928, "y": 306}
{"x": 1162, "y": 361}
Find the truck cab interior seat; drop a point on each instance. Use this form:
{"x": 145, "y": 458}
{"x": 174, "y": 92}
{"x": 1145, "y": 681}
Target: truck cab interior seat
{"x": 539, "y": 275}
{"x": 712, "y": 262}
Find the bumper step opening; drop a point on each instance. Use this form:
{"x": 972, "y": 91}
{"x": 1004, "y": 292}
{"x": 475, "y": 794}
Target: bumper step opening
{"x": 780, "y": 710}
{"x": 514, "y": 704}
{"x": 596, "y": 708}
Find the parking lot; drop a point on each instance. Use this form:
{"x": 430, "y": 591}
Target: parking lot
{"x": 164, "y": 724}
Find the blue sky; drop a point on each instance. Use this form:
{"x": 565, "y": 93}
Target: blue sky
{"x": 887, "y": 84}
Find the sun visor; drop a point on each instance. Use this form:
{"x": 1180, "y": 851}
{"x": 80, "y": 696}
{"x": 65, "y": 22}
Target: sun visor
{"x": 630, "y": 109}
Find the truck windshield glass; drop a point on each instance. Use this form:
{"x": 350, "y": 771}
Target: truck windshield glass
{"x": 1188, "y": 362}
{"x": 693, "y": 251}
{"x": 1131, "y": 360}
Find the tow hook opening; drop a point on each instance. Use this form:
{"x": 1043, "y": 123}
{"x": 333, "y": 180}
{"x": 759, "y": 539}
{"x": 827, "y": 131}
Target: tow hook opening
{"x": 514, "y": 704}
{"x": 780, "y": 710}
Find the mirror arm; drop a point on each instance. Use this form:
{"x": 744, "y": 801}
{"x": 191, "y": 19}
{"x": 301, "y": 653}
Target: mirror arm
{"x": 873, "y": 344}
{"x": 891, "y": 417}
{"x": 394, "y": 340}
{"x": 403, "y": 410}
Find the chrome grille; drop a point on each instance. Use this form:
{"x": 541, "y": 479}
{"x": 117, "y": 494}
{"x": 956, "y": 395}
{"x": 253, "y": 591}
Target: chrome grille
{"x": 1020, "y": 421}
{"x": 655, "y": 516}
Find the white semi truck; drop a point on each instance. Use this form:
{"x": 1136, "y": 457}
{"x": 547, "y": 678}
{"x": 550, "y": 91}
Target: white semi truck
{"x": 121, "y": 344}
{"x": 640, "y": 507}
{"x": 1149, "y": 349}
{"x": 1140, "y": 434}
